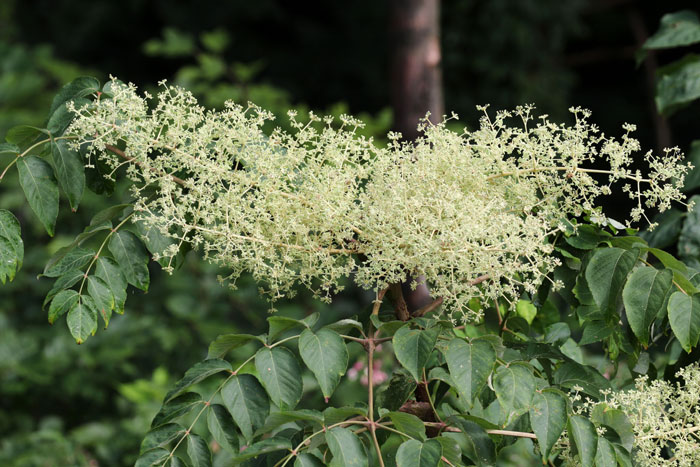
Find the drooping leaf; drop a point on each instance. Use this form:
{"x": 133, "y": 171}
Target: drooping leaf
{"x": 74, "y": 259}
{"x": 408, "y": 424}
{"x": 346, "y": 447}
{"x": 606, "y": 274}
{"x": 131, "y": 256}
{"x": 222, "y": 428}
{"x": 63, "y": 302}
{"x": 226, "y": 342}
{"x": 103, "y": 297}
{"x": 82, "y": 320}
{"x": 679, "y": 85}
{"x": 198, "y": 373}
{"x": 413, "y": 347}
{"x": 684, "y": 317}
{"x": 571, "y": 374}
{"x": 548, "y": 419}
{"x": 247, "y": 402}
{"x": 70, "y": 171}
{"x": 198, "y": 451}
{"x": 69, "y": 279}
{"x": 161, "y": 436}
{"x": 584, "y": 438}
{"x": 263, "y": 447}
{"x": 677, "y": 29}
{"x": 473, "y": 441}
{"x": 40, "y": 188}
{"x": 326, "y": 355}
{"x": 11, "y": 246}
{"x": 24, "y": 135}
{"x": 470, "y": 366}
{"x": 643, "y": 297}
{"x": 177, "y": 407}
{"x": 413, "y": 453}
{"x": 280, "y": 324}
{"x": 281, "y": 375}
{"x": 108, "y": 270}
{"x": 514, "y": 386}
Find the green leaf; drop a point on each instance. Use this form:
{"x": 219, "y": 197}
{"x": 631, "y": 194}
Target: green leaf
{"x": 679, "y": 86}
{"x": 346, "y": 447}
{"x": 413, "y": 347}
{"x": 526, "y": 310}
{"x": 587, "y": 237}
{"x": 59, "y": 121}
{"x": 595, "y": 331}
{"x": 450, "y": 450}
{"x": 131, "y": 257}
{"x": 684, "y": 316}
{"x": 76, "y": 258}
{"x": 470, "y": 366}
{"x": 473, "y": 441}
{"x": 263, "y": 447}
{"x": 63, "y": 302}
{"x": 7, "y": 148}
{"x": 571, "y": 374}
{"x": 307, "y": 460}
{"x": 690, "y": 183}
{"x": 177, "y": 407}
{"x": 161, "y": 436}
{"x": 82, "y": 320}
{"x": 69, "y": 279}
{"x": 514, "y": 386}
{"x": 584, "y": 438}
{"x": 40, "y": 188}
{"x": 644, "y": 296}
{"x": 247, "y": 402}
{"x": 226, "y": 342}
{"x": 689, "y": 243}
{"x": 277, "y": 419}
{"x": 156, "y": 243}
{"x": 677, "y": 29}
{"x": 103, "y": 297}
{"x": 281, "y": 375}
{"x": 605, "y": 453}
{"x": 11, "y": 245}
{"x": 617, "y": 420}
{"x": 548, "y": 419}
{"x": 344, "y": 325}
{"x": 222, "y": 428}
{"x": 199, "y": 372}
{"x": 80, "y": 87}
{"x": 23, "y": 136}
{"x": 413, "y": 453}
{"x": 623, "y": 456}
{"x": 152, "y": 458}
{"x": 108, "y": 214}
{"x": 669, "y": 222}
{"x": 108, "y": 270}
{"x": 280, "y": 324}
{"x": 401, "y": 387}
{"x": 326, "y": 355}
{"x": 96, "y": 177}
{"x": 606, "y": 274}
{"x": 333, "y": 415}
{"x": 408, "y": 424}
{"x": 198, "y": 451}
{"x": 70, "y": 172}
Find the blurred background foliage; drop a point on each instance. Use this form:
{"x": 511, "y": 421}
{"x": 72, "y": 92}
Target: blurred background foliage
{"x": 63, "y": 404}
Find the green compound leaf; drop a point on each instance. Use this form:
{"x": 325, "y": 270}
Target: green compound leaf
{"x": 76, "y": 258}
{"x": 514, "y": 386}
{"x": 413, "y": 347}
{"x": 198, "y": 451}
{"x": 161, "y": 436}
{"x": 247, "y": 402}
{"x": 102, "y": 296}
{"x": 617, "y": 420}
{"x": 199, "y": 372}
{"x": 408, "y": 424}
{"x": 63, "y": 302}
{"x": 222, "y": 428}
{"x": 584, "y": 437}
{"x": 226, "y": 342}
{"x": 23, "y": 135}
{"x": 644, "y": 296}
{"x": 69, "y": 279}
{"x": 131, "y": 257}
{"x": 153, "y": 457}
{"x": 473, "y": 441}
{"x": 684, "y": 316}
{"x": 470, "y": 366}
{"x": 605, "y": 453}
{"x": 263, "y": 447}
{"x": 82, "y": 320}
{"x": 572, "y": 374}
{"x": 606, "y": 274}
{"x": 413, "y": 453}
{"x": 80, "y": 87}
{"x": 70, "y": 172}
{"x": 548, "y": 419}
{"x": 326, "y": 355}
{"x": 40, "y": 187}
{"x": 281, "y": 376}
{"x": 11, "y": 246}
{"x": 677, "y": 29}
{"x": 346, "y": 447}
{"x": 307, "y": 460}
{"x": 108, "y": 270}
{"x": 679, "y": 86}
{"x": 177, "y": 407}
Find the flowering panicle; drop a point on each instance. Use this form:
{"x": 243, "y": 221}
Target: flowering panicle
{"x": 320, "y": 203}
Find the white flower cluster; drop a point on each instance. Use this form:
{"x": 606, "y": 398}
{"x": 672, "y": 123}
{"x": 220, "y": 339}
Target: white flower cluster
{"x": 320, "y": 203}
